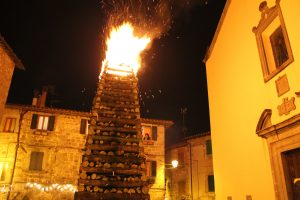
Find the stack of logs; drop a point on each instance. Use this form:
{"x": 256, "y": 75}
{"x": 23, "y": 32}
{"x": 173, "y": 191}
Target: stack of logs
{"x": 113, "y": 165}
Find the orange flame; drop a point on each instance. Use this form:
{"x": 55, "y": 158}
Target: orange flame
{"x": 123, "y": 51}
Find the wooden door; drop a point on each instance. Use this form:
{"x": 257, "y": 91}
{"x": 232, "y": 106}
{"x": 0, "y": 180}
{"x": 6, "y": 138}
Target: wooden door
{"x": 291, "y": 163}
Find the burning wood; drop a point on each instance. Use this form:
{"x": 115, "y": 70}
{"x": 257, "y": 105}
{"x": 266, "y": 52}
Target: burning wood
{"x": 123, "y": 51}
{"x": 113, "y": 165}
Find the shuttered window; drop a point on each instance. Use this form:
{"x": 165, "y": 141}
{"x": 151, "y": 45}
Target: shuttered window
{"x": 211, "y": 183}
{"x": 154, "y": 132}
{"x": 153, "y": 168}
{"x": 36, "y": 160}
{"x": 51, "y": 123}
{"x": 34, "y": 121}
{"x": 208, "y": 147}
{"x": 42, "y": 122}
{"x": 9, "y": 125}
{"x": 83, "y": 126}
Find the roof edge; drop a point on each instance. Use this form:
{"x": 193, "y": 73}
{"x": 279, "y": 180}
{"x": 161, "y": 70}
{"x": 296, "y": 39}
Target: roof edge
{"x": 220, "y": 23}
{"x": 185, "y": 140}
{"x": 47, "y": 109}
{"x": 166, "y": 123}
{"x": 11, "y": 53}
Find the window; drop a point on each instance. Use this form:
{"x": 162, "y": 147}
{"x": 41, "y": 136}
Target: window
{"x": 43, "y": 123}
{"x": 149, "y": 132}
{"x": 151, "y": 168}
{"x": 3, "y": 171}
{"x": 83, "y": 126}
{"x": 272, "y": 40}
{"x": 208, "y": 147}
{"x": 154, "y": 132}
{"x": 9, "y": 125}
{"x": 36, "y": 160}
{"x": 211, "y": 183}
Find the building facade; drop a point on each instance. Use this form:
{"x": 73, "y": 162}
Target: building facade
{"x": 41, "y": 152}
{"x": 8, "y": 62}
{"x": 253, "y": 87}
{"x": 154, "y": 148}
{"x": 194, "y": 176}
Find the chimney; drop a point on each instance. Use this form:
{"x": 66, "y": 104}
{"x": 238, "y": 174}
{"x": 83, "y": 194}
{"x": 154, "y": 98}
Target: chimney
{"x": 43, "y": 97}
{"x": 35, "y": 97}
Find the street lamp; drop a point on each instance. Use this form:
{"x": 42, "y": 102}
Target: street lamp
{"x": 174, "y": 163}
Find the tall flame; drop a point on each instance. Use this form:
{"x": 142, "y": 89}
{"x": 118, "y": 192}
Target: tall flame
{"x": 123, "y": 51}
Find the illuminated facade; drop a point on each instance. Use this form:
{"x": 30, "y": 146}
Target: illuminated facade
{"x": 195, "y": 168}
{"x": 8, "y": 62}
{"x": 47, "y": 145}
{"x": 154, "y": 148}
{"x": 253, "y": 87}
{"x": 50, "y": 151}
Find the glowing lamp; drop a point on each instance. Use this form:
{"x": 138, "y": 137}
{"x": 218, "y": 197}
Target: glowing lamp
{"x": 174, "y": 163}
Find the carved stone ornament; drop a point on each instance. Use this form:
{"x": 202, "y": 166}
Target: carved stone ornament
{"x": 287, "y": 106}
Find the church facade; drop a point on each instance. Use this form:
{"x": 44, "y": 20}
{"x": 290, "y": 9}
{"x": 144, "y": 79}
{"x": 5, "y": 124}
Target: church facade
{"x": 253, "y": 85}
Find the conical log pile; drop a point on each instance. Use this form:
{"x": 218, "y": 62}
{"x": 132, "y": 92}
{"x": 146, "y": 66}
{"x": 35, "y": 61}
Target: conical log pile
{"x": 113, "y": 165}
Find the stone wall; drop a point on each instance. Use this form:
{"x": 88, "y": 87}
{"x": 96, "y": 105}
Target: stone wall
{"x": 6, "y": 71}
{"x": 62, "y": 155}
{"x": 155, "y": 151}
{"x": 7, "y": 149}
{"x": 62, "y": 150}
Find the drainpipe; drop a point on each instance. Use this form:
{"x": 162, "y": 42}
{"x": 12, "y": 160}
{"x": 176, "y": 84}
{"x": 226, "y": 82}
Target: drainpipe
{"x": 16, "y": 152}
{"x": 191, "y": 170}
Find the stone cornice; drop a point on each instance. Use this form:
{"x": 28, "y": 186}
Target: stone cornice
{"x": 278, "y": 128}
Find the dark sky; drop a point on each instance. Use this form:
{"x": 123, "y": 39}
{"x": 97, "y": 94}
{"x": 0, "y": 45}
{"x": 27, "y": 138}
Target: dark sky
{"x": 59, "y": 42}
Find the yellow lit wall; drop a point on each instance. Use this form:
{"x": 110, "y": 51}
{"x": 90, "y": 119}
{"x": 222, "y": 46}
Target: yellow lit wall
{"x": 238, "y": 95}
{"x": 155, "y": 151}
{"x": 8, "y": 141}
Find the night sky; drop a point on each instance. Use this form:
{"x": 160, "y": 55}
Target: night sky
{"x": 61, "y": 46}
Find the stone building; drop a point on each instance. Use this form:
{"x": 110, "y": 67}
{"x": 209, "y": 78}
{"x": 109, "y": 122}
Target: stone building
{"x": 253, "y": 87}
{"x": 8, "y": 62}
{"x": 153, "y": 131}
{"x": 41, "y": 151}
{"x": 41, "y": 146}
{"x": 194, "y": 176}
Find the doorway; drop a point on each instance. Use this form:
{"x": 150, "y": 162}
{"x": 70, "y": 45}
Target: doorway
{"x": 291, "y": 164}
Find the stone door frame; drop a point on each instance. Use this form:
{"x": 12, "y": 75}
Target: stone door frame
{"x": 280, "y": 138}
